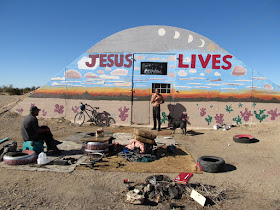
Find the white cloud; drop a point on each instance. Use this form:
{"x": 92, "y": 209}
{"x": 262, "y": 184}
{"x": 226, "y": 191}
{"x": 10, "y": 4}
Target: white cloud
{"x": 82, "y": 63}
{"x": 90, "y": 75}
{"x": 213, "y": 84}
{"x": 217, "y": 74}
{"x": 197, "y": 78}
{"x": 119, "y": 72}
{"x": 183, "y": 86}
{"x": 153, "y": 59}
{"x": 171, "y": 58}
{"x": 155, "y": 79}
{"x": 58, "y": 78}
{"x": 139, "y": 57}
{"x": 259, "y": 78}
{"x": 94, "y": 83}
{"x": 192, "y": 70}
{"x": 252, "y": 87}
{"x": 77, "y": 85}
{"x": 103, "y": 76}
{"x": 182, "y": 73}
{"x": 73, "y": 74}
{"x": 57, "y": 84}
{"x": 202, "y": 74}
{"x": 71, "y": 81}
{"x": 237, "y": 84}
{"x": 107, "y": 68}
{"x": 123, "y": 84}
{"x": 202, "y": 87}
{"x": 136, "y": 68}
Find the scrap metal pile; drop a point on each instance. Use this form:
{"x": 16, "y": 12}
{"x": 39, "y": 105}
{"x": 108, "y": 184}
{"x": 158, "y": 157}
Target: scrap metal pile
{"x": 160, "y": 188}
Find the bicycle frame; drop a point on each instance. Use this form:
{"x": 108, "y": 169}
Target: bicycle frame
{"x": 93, "y": 111}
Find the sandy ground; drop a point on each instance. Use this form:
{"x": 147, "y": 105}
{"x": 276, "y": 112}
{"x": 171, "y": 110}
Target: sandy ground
{"x": 251, "y": 181}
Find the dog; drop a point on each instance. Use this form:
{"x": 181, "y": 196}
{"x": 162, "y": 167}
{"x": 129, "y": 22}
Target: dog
{"x": 178, "y": 124}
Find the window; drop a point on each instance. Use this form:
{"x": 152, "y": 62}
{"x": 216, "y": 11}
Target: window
{"x": 163, "y": 88}
{"x": 153, "y": 68}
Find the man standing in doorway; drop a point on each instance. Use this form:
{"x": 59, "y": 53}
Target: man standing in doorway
{"x": 156, "y": 100}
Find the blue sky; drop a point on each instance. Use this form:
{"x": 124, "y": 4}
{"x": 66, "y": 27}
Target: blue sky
{"x": 39, "y": 38}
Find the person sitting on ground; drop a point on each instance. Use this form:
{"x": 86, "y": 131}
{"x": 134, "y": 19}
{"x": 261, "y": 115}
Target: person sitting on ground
{"x": 31, "y": 131}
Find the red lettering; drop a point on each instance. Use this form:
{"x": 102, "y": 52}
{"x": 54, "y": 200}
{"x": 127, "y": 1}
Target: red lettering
{"x": 181, "y": 65}
{"x": 93, "y": 60}
{"x": 117, "y": 62}
{"x": 111, "y": 62}
{"x": 227, "y": 62}
{"x": 102, "y": 60}
{"x": 204, "y": 63}
{"x": 215, "y": 61}
{"x": 193, "y": 61}
{"x": 129, "y": 61}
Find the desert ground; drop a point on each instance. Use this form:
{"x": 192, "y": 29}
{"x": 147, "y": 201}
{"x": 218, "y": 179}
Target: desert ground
{"x": 252, "y": 181}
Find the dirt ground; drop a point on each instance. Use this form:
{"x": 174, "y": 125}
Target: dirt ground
{"x": 251, "y": 180}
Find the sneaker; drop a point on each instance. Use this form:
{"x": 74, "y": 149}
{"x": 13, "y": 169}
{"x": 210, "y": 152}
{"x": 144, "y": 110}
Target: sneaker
{"x": 159, "y": 129}
{"x": 153, "y": 129}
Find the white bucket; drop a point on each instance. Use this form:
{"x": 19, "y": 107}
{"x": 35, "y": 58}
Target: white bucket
{"x": 43, "y": 159}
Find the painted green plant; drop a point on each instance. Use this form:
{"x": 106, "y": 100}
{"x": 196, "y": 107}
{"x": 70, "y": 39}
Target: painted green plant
{"x": 240, "y": 105}
{"x": 229, "y": 108}
{"x": 254, "y": 105}
{"x": 238, "y": 120}
{"x": 211, "y": 106}
{"x": 209, "y": 119}
{"x": 164, "y": 118}
{"x": 261, "y": 116}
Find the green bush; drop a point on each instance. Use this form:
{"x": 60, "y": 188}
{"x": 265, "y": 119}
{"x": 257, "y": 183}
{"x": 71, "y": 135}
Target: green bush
{"x": 16, "y": 91}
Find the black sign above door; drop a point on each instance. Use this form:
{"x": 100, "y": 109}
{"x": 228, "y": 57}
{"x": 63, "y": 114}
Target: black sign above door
{"x": 153, "y": 68}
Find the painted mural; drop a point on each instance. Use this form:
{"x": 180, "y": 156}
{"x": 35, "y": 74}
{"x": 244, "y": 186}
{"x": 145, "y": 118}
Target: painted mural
{"x": 201, "y": 81}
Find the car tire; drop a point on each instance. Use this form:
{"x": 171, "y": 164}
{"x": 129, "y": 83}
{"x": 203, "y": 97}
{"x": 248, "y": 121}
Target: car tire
{"x": 211, "y": 164}
{"x": 20, "y": 158}
{"x": 244, "y": 138}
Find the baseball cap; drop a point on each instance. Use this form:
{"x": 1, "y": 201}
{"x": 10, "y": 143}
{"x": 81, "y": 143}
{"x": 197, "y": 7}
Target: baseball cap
{"x": 34, "y": 108}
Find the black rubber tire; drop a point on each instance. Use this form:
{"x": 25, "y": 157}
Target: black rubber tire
{"x": 211, "y": 164}
{"x": 110, "y": 121}
{"x": 245, "y": 139}
{"x": 101, "y": 120}
{"x": 20, "y": 158}
{"x": 79, "y": 119}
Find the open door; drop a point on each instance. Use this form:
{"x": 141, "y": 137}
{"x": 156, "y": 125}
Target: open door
{"x": 150, "y": 71}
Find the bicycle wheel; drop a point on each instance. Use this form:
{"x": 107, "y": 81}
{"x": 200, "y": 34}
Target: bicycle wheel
{"x": 79, "y": 118}
{"x": 100, "y": 120}
{"x": 110, "y": 121}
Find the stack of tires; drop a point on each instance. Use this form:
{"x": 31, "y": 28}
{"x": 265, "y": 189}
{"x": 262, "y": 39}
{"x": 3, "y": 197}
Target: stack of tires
{"x": 145, "y": 137}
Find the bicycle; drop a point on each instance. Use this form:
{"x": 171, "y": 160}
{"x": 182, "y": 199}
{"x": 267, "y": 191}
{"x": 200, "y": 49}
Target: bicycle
{"x": 98, "y": 118}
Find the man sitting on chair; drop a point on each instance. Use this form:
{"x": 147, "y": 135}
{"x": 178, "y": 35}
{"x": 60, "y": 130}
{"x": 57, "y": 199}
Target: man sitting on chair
{"x": 31, "y": 131}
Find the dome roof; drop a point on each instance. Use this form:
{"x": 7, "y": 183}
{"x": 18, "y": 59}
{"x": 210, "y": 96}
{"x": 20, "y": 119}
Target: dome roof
{"x": 154, "y": 38}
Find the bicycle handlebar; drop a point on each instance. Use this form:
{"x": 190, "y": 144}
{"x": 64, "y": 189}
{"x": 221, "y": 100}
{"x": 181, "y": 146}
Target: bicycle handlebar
{"x": 89, "y": 105}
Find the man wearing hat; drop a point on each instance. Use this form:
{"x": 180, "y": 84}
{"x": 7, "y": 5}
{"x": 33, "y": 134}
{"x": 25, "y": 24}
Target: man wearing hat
{"x": 31, "y": 131}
